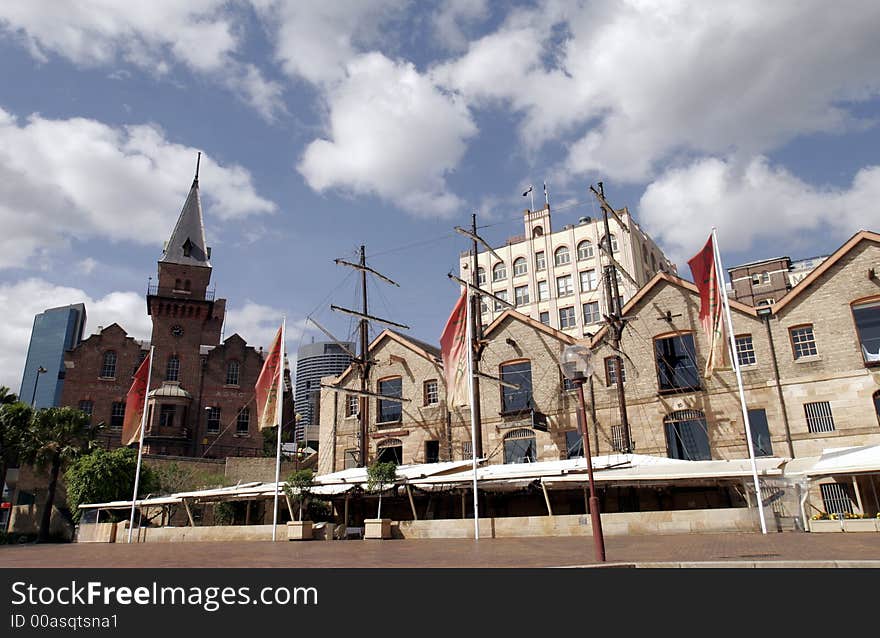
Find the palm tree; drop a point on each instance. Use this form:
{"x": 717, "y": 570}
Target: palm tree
{"x": 14, "y": 421}
{"x": 55, "y": 436}
{"x": 7, "y": 396}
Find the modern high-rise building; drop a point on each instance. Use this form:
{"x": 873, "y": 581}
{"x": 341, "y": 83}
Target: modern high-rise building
{"x": 55, "y": 331}
{"x": 555, "y": 277}
{"x": 313, "y": 361}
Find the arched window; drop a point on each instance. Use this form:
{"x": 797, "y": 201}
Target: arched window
{"x": 520, "y": 446}
{"x": 108, "y": 365}
{"x": 499, "y": 271}
{"x": 520, "y": 267}
{"x": 172, "y": 368}
{"x": 232, "y": 373}
{"x": 604, "y": 242}
{"x": 687, "y": 436}
{"x": 765, "y": 277}
{"x": 242, "y": 423}
{"x": 585, "y": 250}
{"x": 390, "y": 451}
{"x": 562, "y": 256}
{"x": 537, "y": 232}
{"x": 481, "y": 276}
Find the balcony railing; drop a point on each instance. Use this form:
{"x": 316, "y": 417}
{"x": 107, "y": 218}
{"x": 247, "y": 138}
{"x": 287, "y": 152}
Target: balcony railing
{"x": 166, "y": 291}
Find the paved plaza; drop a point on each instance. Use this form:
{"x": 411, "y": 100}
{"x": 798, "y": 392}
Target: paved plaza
{"x": 741, "y": 550}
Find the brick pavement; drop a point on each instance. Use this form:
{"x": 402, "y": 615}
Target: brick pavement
{"x": 742, "y": 550}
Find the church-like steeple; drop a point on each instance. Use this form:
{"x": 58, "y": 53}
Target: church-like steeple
{"x": 187, "y": 243}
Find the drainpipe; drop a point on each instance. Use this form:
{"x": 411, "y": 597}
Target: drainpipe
{"x": 779, "y": 386}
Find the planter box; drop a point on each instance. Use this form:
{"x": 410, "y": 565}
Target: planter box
{"x": 299, "y": 530}
{"x": 846, "y": 525}
{"x": 377, "y": 528}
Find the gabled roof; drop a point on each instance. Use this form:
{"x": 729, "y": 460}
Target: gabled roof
{"x": 537, "y": 325}
{"x": 187, "y": 243}
{"x": 675, "y": 281}
{"x": 422, "y": 348}
{"x": 837, "y": 255}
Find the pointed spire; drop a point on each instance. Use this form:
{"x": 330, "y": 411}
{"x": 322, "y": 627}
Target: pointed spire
{"x": 187, "y": 242}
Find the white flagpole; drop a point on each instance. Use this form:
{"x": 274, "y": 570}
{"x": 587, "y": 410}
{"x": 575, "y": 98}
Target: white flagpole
{"x": 470, "y": 361}
{"x": 719, "y": 277}
{"x": 137, "y": 472}
{"x": 278, "y": 416}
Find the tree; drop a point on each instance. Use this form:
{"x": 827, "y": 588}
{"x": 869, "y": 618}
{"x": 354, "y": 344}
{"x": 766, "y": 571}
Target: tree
{"x": 101, "y": 476}
{"x": 379, "y": 477}
{"x": 55, "y": 436}
{"x": 298, "y": 487}
{"x": 7, "y": 396}
{"x": 15, "y": 417}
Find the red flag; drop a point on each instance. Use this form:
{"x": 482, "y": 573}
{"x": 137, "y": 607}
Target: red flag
{"x": 709, "y": 284}
{"x": 134, "y": 404}
{"x": 267, "y": 386}
{"x": 453, "y": 352}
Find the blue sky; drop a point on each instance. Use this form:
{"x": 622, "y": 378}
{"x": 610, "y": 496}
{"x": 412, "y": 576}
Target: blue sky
{"x": 326, "y": 125}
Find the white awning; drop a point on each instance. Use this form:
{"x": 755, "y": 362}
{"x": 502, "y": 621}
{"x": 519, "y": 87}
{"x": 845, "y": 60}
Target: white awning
{"x": 832, "y": 461}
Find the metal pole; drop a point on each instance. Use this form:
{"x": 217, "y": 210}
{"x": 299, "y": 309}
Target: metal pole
{"x": 595, "y": 518}
{"x": 363, "y": 401}
{"x": 278, "y": 417}
{"x": 137, "y": 472}
{"x": 476, "y": 325}
{"x": 40, "y": 370}
{"x": 742, "y": 396}
{"x": 470, "y": 360}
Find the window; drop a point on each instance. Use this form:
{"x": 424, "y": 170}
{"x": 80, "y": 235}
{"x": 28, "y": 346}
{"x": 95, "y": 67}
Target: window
{"x": 760, "y": 432}
{"x": 617, "y": 438}
{"x": 564, "y": 286}
{"x": 501, "y": 294}
{"x": 819, "y": 417}
{"x": 481, "y": 276}
{"x": 867, "y": 318}
{"x": 389, "y": 411}
{"x": 351, "y": 405}
{"x": 562, "y": 256}
{"x": 745, "y": 350}
{"x": 86, "y": 407}
{"x": 390, "y": 451}
{"x": 521, "y": 295}
{"x": 653, "y": 263}
{"x": 117, "y": 415}
{"x": 232, "y": 373}
{"x": 540, "y": 261}
{"x": 350, "y": 458}
{"x": 803, "y": 342}
{"x": 520, "y": 398}
{"x": 543, "y": 291}
{"x": 466, "y": 452}
{"x": 484, "y": 305}
{"x": 645, "y": 255}
{"x": 756, "y": 279}
{"x": 591, "y": 313}
{"x": 677, "y": 363}
{"x": 520, "y": 267}
{"x": 172, "y": 369}
{"x": 213, "y": 419}
{"x": 604, "y": 242}
{"x": 520, "y": 447}
{"x": 574, "y": 445}
{"x": 499, "y": 272}
{"x": 566, "y": 318}
{"x": 588, "y": 280}
{"x": 242, "y": 422}
{"x": 687, "y": 436}
{"x": 537, "y": 232}
{"x": 585, "y": 250}
{"x": 876, "y": 405}
{"x": 432, "y": 451}
{"x": 166, "y": 416}
{"x": 431, "y": 392}
{"x": 544, "y": 318}
{"x": 611, "y": 371}
{"x": 108, "y": 366}
{"x": 765, "y": 277}
{"x": 836, "y": 498}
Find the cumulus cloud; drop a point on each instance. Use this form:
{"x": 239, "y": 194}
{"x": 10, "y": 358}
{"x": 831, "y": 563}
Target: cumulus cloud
{"x": 80, "y": 178}
{"x": 258, "y": 323}
{"x": 391, "y": 133}
{"x": 749, "y": 201}
{"x": 451, "y": 19}
{"x": 23, "y": 299}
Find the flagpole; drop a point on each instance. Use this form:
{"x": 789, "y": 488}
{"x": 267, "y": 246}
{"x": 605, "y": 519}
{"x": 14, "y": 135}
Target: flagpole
{"x": 278, "y": 416}
{"x": 137, "y": 472}
{"x": 719, "y": 278}
{"x": 470, "y": 361}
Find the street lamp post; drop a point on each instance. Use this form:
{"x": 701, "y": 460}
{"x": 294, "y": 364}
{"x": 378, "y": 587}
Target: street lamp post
{"x": 576, "y": 364}
{"x": 40, "y": 371}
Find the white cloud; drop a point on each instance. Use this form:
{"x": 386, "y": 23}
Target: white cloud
{"x": 391, "y": 133}
{"x": 257, "y": 324}
{"x": 86, "y": 266}
{"x": 81, "y": 178}
{"x": 752, "y": 201}
{"x": 451, "y": 18}
{"x": 23, "y": 299}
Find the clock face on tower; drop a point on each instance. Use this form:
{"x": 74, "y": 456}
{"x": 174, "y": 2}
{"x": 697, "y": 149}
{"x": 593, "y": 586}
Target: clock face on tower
{"x": 176, "y": 331}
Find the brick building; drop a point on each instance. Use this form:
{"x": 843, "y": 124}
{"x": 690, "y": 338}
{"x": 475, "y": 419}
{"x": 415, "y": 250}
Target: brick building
{"x": 201, "y": 394}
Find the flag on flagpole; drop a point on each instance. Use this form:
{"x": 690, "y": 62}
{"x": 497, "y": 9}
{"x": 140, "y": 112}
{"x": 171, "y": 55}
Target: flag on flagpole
{"x": 453, "y": 352}
{"x": 268, "y": 390}
{"x": 134, "y": 404}
{"x": 709, "y": 283}
{"x": 528, "y": 190}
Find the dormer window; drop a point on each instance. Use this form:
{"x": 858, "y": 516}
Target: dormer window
{"x": 187, "y": 248}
